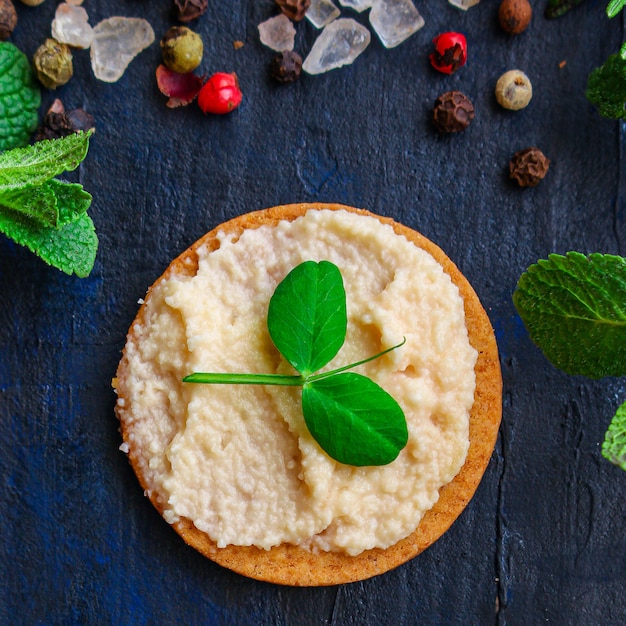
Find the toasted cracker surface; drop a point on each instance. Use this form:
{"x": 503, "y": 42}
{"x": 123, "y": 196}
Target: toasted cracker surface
{"x": 287, "y": 564}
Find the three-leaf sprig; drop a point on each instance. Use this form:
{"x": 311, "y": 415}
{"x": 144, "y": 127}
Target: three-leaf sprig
{"x": 354, "y": 420}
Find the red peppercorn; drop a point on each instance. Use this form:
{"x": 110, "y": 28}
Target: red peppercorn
{"x": 220, "y": 94}
{"x": 450, "y": 52}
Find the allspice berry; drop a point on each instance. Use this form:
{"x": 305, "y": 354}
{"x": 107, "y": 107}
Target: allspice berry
{"x": 182, "y": 49}
{"x": 514, "y": 90}
{"x": 53, "y": 63}
{"x": 8, "y": 19}
{"x": 294, "y": 9}
{"x": 453, "y": 112}
{"x": 286, "y": 66}
{"x": 528, "y": 167}
{"x": 514, "y": 16}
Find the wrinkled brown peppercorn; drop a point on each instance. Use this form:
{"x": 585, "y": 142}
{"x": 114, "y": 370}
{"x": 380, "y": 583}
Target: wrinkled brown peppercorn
{"x": 529, "y": 166}
{"x": 514, "y": 16}
{"x": 286, "y": 66}
{"x": 294, "y": 9}
{"x": 59, "y": 123}
{"x": 187, "y": 10}
{"x": 453, "y": 112}
{"x": 8, "y": 19}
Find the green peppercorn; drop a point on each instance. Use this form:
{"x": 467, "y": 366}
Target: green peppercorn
{"x": 53, "y": 64}
{"x": 182, "y": 49}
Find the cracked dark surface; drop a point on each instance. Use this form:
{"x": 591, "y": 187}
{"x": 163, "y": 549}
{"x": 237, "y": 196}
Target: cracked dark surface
{"x": 542, "y": 539}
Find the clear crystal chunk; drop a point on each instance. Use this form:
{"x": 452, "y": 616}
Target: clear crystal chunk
{"x": 357, "y": 5}
{"x": 116, "y": 42}
{"x": 340, "y": 43}
{"x": 71, "y": 26}
{"x": 278, "y": 33}
{"x": 394, "y": 21}
{"x": 322, "y": 12}
{"x": 463, "y": 4}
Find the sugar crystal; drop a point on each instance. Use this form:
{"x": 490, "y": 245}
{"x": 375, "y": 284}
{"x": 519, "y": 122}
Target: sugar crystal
{"x": 116, "y": 42}
{"x": 394, "y": 21}
{"x": 340, "y": 43}
{"x": 278, "y": 33}
{"x": 357, "y": 5}
{"x": 322, "y": 12}
{"x": 71, "y": 26}
{"x": 463, "y": 4}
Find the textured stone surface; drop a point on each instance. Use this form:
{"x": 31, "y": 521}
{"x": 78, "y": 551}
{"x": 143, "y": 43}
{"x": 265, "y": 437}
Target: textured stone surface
{"x": 540, "y": 543}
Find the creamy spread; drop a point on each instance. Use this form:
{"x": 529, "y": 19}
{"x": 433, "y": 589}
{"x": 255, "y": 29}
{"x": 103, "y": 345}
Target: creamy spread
{"x": 238, "y": 460}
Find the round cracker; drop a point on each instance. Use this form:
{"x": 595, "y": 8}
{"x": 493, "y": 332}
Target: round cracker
{"x": 288, "y": 564}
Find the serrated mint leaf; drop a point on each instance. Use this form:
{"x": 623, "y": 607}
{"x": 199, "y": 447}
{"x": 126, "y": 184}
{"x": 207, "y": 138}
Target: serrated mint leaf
{"x": 43, "y": 204}
{"x": 614, "y": 445}
{"x": 20, "y": 98}
{"x": 36, "y": 164}
{"x": 354, "y": 420}
{"x": 38, "y": 204}
{"x": 307, "y": 317}
{"x": 574, "y": 308}
{"x": 72, "y": 200}
{"x": 71, "y": 247}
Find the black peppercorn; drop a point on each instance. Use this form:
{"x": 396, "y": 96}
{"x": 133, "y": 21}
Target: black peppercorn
{"x": 187, "y": 10}
{"x": 286, "y": 66}
{"x": 453, "y": 112}
{"x": 528, "y": 167}
{"x": 8, "y": 19}
{"x": 59, "y": 123}
{"x": 294, "y": 9}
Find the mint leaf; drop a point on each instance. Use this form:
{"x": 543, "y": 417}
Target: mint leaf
{"x": 614, "y": 446}
{"x": 71, "y": 247}
{"x": 354, "y": 420}
{"x": 307, "y": 317}
{"x": 36, "y": 164}
{"x": 72, "y": 200}
{"x": 20, "y": 98}
{"x": 574, "y": 308}
{"x": 37, "y": 203}
{"x": 606, "y": 87}
{"x": 614, "y": 7}
{"x": 41, "y": 204}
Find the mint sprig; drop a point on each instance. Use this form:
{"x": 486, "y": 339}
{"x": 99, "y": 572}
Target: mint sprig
{"x": 354, "y": 420}
{"x": 614, "y": 446}
{"x": 47, "y": 215}
{"x": 20, "y": 98}
{"x": 606, "y": 85}
{"x": 574, "y": 308}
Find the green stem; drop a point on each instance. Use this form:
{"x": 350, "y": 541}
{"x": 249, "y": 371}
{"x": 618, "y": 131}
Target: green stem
{"x": 310, "y": 379}
{"x": 275, "y": 379}
{"x": 244, "y": 379}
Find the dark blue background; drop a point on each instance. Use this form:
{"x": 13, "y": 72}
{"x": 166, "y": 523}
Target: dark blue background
{"x": 543, "y": 540}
